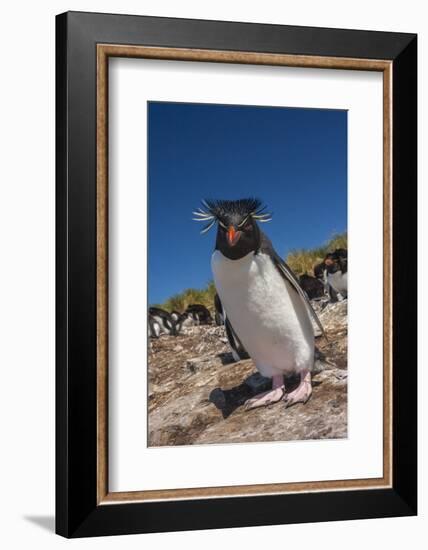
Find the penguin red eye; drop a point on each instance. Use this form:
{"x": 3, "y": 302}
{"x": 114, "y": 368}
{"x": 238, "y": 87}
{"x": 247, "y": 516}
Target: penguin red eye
{"x": 248, "y": 227}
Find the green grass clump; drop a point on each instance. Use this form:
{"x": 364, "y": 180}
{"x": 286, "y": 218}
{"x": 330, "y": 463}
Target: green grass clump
{"x": 179, "y": 302}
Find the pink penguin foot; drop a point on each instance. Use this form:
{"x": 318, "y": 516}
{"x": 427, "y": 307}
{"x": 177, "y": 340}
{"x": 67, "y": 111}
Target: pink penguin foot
{"x": 302, "y": 393}
{"x": 265, "y": 399}
{"x": 269, "y": 397}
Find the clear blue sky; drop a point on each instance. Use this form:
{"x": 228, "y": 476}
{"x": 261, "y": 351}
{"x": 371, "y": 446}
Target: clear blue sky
{"x": 295, "y": 160}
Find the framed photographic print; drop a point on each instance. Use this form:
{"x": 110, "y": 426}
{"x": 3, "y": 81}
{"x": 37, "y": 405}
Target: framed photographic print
{"x": 236, "y": 242}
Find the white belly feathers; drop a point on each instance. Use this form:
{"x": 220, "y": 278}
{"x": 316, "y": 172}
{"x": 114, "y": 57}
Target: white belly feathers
{"x": 267, "y": 314}
{"x": 339, "y": 281}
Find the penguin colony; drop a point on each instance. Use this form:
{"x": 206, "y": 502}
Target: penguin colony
{"x": 161, "y": 321}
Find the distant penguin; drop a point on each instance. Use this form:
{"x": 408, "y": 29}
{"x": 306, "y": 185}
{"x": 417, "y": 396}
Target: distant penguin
{"x": 164, "y": 319}
{"x": 338, "y": 282}
{"x": 341, "y": 253}
{"x": 200, "y": 313}
{"x": 187, "y": 320}
{"x": 184, "y": 320}
{"x": 337, "y": 272}
{"x": 154, "y": 328}
{"x": 262, "y": 298}
{"x": 175, "y": 315}
{"x": 312, "y": 286}
{"x": 320, "y": 272}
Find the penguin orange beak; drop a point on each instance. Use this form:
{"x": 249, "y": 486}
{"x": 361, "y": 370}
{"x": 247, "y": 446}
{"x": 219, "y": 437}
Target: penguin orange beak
{"x": 233, "y": 236}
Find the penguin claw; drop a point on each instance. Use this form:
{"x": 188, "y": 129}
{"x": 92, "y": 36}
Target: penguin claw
{"x": 265, "y": 399}
{"x": 301, "y": 394}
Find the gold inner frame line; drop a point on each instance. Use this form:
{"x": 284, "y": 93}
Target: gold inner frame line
{"x": 104, "y": 51}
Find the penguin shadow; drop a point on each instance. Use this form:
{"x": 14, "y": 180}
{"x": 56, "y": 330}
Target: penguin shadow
{"x": 227, "y": 401}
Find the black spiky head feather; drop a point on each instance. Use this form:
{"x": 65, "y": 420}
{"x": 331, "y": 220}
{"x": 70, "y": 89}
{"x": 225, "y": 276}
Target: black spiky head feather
{"x": 229, "y": 212}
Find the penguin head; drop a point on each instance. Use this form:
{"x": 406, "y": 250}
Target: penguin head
{"x": 237, "y": 230}
{"x": 319, "y": 270}
{"x": 337, "y": 261}
{"x": 331, "y": 263}
{"x": 238, "y": 237}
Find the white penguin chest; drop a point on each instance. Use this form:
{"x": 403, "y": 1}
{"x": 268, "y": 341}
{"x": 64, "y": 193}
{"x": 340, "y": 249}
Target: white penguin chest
{"x": 267, "y": 314}
{"x": 339, "y": 281}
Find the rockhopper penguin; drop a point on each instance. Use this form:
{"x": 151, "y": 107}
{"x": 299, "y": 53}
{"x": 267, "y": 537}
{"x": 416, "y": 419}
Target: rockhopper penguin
{"x": 337, "y": 271}
{"x": 261, "y": 298}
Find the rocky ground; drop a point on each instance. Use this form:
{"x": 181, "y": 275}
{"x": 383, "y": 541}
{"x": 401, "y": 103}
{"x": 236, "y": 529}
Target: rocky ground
{"x": 196, "y": 391}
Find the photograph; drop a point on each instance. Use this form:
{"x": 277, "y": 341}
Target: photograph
{"x": 216, "y": 180}
{"x": 247, "y": 315}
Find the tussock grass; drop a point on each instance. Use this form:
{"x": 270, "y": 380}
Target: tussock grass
{"x": 301, "y": 261}
{"x": 179, "y": 302}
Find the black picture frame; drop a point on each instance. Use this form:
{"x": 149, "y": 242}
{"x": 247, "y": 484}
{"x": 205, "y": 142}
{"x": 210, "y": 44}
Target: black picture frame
{"x": 77, "y": 511}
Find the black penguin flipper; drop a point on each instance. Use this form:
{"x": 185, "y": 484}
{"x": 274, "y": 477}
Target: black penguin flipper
{"x": 218, "y": 311}
{"x": 287, "y": 273}
{"x": 238, "y": 350}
